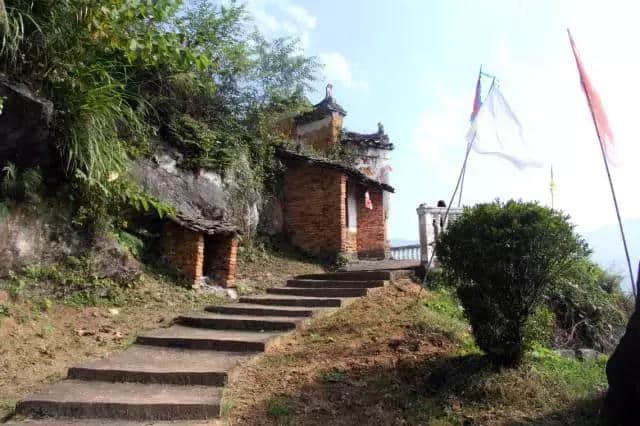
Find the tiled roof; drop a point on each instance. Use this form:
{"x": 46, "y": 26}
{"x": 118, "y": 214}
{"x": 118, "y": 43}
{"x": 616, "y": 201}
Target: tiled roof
{"x": 205, "y": 226}
{"x": 378, "y": 140}
{"x": 328, "y": 164}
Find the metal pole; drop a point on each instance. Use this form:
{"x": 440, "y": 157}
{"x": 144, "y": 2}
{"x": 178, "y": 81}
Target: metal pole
{"x": 446, "y": 213}
{"x": 615, "y": 203}
{"x": 615, "y": 199}
{"x": 453, "y": 197}
{"x": 551, "y": 187}
{"x": 606, "y": 166}
{"x": 464, "y": 172}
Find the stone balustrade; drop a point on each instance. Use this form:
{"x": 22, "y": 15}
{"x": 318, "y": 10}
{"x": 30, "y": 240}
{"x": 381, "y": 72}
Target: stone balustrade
{"x": 408, "y": 252}
{"x": 432, "y": 222}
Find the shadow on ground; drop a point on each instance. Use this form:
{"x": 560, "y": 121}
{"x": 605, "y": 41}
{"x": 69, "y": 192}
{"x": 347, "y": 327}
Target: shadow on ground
{"x": 583, "y": 412}
{"x": 458, "y": 390}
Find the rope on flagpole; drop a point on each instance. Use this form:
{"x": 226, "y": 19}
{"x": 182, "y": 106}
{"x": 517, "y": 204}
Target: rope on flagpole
{"x": 464, "y": 167}
{"x": 446, "y": 213}
{"x": 453, "y": 197}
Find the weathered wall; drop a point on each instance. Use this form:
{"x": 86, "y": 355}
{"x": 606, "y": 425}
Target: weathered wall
{"x": 373, "y": 162}
{"x": 204, "y": 194}
{"x": 315, "y": 209}
{"x": 322, "y": 134}
{"x": 220, "y": 258}
{"x": 184, "y": 249}
{"x": 372, "y": 230}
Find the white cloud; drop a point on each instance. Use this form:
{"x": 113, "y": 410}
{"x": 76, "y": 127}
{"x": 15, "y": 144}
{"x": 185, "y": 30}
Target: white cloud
{"x": 547, "y": 97}
{"x": 338, "y": 70}
{"x": 281, "y": 18}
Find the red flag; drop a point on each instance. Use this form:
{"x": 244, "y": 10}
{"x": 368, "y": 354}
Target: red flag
{"x": 476, "y": 100}
{"x": 367, "y": 201}
{"x": 605, "y": 135}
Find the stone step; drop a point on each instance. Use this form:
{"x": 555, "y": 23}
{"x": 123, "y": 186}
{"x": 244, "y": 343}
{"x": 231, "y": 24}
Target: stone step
{"x": 318, "y": 292}
{"x": 180, "y": 336}
{"x": 239, "y": 322}
{"x": 351, "y": 276}
{"x": 128, "y": 401}
{"x": 163, "y": 365}
{"x": 301, "y": 283}
{"x": 298, "y": 301}
{"x": 261, "y": 310}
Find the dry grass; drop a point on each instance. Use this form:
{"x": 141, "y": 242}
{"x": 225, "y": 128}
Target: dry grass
{"x": 397, "y": 358}
{"x": 262, "y": 265}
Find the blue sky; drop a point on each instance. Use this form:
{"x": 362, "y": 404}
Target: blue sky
{"x": 413, "y": 65}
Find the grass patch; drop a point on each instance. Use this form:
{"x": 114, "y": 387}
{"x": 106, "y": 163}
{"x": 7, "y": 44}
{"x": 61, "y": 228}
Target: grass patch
{"x": 575, "y": 377}
{"x": 280, "y": 407}
{"x": 335, "y": 376}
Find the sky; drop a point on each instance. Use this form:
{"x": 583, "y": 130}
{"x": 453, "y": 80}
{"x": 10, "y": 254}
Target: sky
{"x": 413, "y": 65}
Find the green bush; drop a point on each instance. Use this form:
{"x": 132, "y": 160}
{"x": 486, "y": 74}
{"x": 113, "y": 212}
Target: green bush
{"x": 539, "y": 327}
{"x": 590, "y": 308}
{"x": 504, "y": 256}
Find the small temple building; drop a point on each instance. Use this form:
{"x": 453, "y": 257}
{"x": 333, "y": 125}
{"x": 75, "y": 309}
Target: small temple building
{"x": 200, "y": 240}
{"x": 336, "y": 207}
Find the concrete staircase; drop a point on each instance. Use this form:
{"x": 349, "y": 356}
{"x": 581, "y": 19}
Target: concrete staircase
{"x": 178, "y": 373}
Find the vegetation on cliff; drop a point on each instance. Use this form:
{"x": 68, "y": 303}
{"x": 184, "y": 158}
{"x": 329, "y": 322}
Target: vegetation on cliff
{"x": 122, "y": 72}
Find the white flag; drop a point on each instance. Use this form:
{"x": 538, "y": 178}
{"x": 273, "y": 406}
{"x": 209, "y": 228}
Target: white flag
{"x": 496, "y": 130}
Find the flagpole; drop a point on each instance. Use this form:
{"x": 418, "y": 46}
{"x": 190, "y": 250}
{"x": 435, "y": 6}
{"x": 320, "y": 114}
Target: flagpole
{"x": 464, "y": 172}
{"x": 446, "y": 213}
{"x": 615, "y": 203}
{"x": 551, "y": 187}
{"x": 606, "y": 167}
{"x": 464, "y": 167}
{"x": 453, "y": 197}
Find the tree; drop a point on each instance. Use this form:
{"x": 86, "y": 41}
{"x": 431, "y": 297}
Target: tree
{"x": 504, "y": 256}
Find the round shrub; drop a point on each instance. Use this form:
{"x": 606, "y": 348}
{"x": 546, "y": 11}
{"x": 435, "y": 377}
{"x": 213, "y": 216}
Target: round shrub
{"x": 504, "y": 256}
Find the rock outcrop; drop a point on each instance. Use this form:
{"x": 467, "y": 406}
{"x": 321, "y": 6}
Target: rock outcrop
{"x": 31, "y": 237}
{"x": 202, "y": 195}
{"x": 24, "y": 126}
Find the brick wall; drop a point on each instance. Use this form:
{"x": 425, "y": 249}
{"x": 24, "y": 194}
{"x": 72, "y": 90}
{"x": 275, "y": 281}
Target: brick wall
{"x": 372, "y": 230}
{"x": 184, "y": 249}
{"x": 315, "y": 209}
{"x": 220, "y": 258}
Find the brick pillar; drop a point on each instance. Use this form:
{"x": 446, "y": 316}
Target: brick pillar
{"x": 184, "y": 249}
{"x": 220, "y": 258}
{"x": 372, "y": 229}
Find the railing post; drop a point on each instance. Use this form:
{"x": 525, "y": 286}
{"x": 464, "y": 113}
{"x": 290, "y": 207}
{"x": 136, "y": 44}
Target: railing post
{"x": 422, "y": 232}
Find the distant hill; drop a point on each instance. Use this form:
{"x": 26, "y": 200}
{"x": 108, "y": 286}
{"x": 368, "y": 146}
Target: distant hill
{"x": 608, "y": 251}
{"x": 396, "y": 242}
